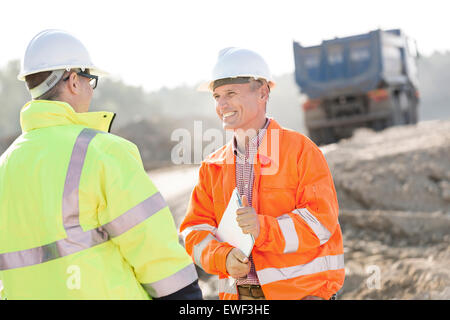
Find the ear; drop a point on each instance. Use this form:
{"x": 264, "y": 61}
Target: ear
{"x": 74, "y": 83}
{"x": 264, "y": 92}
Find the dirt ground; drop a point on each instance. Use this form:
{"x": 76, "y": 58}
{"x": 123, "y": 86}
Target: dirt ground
{"x": 394, "y": 194}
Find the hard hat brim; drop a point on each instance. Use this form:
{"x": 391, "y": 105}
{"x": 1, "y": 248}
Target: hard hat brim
{"x": 206, "y": 86}
{"x": 92, "y": 69}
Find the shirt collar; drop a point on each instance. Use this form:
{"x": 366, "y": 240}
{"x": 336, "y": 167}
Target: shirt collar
{"x": 254, "y": 141}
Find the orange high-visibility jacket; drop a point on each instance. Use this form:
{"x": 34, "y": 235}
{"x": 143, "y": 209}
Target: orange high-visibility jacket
{"x": 299, "y": 250}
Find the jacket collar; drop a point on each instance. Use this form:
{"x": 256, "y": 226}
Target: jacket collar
{"x": 267, "y": 161}
{"x": 254, "y": 141}
{"x": 268, "y": 153}
{"x": 37, "y": 114}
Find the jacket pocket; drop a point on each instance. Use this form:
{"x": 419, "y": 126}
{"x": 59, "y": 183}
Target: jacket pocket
{"x": 278, "y": 195}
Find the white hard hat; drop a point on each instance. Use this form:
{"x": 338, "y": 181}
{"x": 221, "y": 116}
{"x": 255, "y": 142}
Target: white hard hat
{"x": 53, "y": 50}
{"x": 235, "y": 62}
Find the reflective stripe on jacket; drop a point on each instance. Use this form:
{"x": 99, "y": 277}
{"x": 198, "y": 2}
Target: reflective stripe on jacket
{"x": 299, "y": 250}
{"x": 79, "y": 217}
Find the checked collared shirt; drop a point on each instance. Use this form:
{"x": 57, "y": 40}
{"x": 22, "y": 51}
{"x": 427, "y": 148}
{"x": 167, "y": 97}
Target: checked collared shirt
{"x": 244, "y": 183}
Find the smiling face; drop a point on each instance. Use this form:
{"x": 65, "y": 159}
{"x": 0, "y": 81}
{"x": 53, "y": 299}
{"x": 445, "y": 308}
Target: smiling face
{"x": 241, "y": 106}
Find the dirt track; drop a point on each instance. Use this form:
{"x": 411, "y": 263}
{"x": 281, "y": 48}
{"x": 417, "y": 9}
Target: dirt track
{"x": 394, "y": 195}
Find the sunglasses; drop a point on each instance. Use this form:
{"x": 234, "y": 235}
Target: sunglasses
{"x": 93, "y": 79}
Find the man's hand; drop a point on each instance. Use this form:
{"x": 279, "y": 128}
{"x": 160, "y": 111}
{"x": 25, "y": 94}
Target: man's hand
{"x": 237, "y": 264}
{"x": 247, "y": 218}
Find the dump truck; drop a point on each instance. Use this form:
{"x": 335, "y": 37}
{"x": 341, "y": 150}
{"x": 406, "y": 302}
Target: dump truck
{"x": 366, "y": 80}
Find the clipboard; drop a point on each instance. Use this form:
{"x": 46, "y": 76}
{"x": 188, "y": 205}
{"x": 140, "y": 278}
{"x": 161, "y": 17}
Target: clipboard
{"x": 229, "y": 230}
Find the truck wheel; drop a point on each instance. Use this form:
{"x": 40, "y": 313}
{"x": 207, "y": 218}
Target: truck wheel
{"x": 379, "y": 125}
{"x": 328, "y": 136}
{"x": 412, "y": 113}
{"x": 398, "y": 110}
{"x": 315, "y": 136}
{"x": 322, "y": 136}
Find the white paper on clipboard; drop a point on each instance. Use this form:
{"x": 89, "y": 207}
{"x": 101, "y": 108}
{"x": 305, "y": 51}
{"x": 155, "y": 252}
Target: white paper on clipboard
{"x": 229, "y": 230}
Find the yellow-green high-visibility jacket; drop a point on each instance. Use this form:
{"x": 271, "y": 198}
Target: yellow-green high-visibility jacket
{"x": 79, "y": 216}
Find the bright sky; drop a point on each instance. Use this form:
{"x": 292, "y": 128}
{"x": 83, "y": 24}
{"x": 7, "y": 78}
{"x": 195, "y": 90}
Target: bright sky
{"x": 170, "y": 43}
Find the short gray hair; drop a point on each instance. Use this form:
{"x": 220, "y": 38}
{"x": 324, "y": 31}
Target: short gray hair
{"x": 33, "y": 80}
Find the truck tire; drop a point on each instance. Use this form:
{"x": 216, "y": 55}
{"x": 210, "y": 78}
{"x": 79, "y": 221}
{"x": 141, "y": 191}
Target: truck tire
{"x": 379, "y": 124}
{"x": 322, "y": 136}
{"x": 328, "y": 136}
{"x": 398, "y": 114}
{"x": 412, "y": 112}
{"x": 315, "y": 136}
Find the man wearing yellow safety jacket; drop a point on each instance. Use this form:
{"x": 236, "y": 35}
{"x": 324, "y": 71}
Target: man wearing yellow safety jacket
{"x": 79, "y": 217}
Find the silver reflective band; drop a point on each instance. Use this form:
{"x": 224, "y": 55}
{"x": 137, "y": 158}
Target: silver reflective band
{"x": 70, "y": 210}
{"x": 290, "y": 235}
{"x": 52, "y": 251}
{"x": 18, "y": 259}
{"x": 173, "y": 283}
{"x": 320, "y": 264}
{"x": 77, "y": 239}
{"x": 321, "y": 232}
{"x": 135, "y": 215}
{"x": 198, "y": 249}
{"x": 227, "y": 285}
{"x": 198, "y": 227}
{"x": 47, "y": 84}
{"x": 76, "y": 242}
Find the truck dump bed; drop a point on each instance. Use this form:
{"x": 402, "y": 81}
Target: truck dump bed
{"x": 353, "y": 64}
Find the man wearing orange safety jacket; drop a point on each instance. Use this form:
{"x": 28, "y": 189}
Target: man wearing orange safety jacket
{"x": 289, "y": 199}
